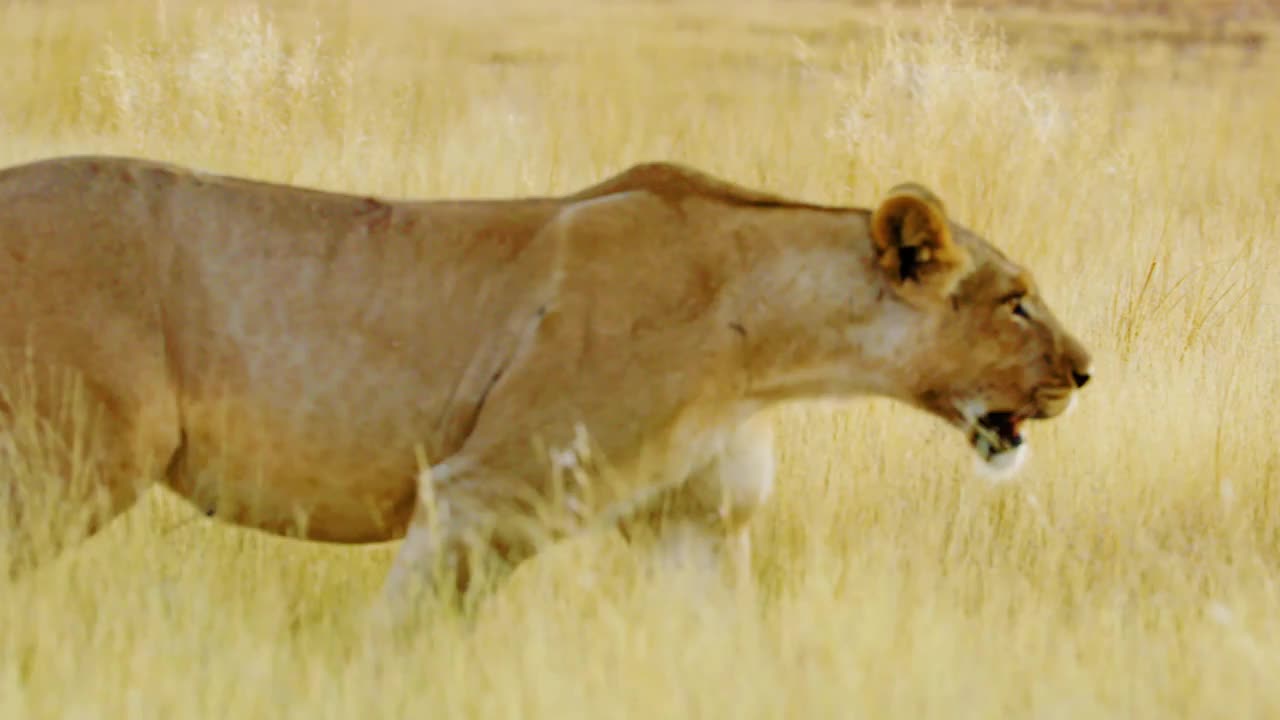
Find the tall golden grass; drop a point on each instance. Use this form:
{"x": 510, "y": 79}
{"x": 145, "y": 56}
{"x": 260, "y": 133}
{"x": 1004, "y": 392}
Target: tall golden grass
{"x": 1130, "y": 573}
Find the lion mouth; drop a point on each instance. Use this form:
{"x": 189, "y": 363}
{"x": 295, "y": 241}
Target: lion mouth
{"x": 995, "y": 433}
{"x": 996, "y": 436}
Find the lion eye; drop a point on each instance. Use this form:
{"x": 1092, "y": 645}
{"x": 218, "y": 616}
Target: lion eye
{"x": 1013, "y": 301}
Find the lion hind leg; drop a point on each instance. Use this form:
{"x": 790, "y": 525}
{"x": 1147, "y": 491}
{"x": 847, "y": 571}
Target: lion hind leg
{"x": 72, "y": 458}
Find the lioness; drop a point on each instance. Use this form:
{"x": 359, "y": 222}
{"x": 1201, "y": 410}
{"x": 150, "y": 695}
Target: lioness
{"x": 283, "y": 357}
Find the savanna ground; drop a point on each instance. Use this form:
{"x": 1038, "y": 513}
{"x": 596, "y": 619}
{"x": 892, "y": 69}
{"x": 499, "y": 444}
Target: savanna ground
{"x": 1131, "y": 160}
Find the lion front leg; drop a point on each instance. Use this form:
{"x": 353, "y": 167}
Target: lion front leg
{"x": 704, "y": 523}
{"x": 460, "y": 527}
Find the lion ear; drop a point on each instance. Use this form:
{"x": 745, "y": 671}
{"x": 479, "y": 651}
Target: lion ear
{"x": 913, "y": 240}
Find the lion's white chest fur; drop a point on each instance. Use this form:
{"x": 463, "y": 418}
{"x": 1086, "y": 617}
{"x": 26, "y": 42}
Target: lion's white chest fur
{"x": 727, "y": 454}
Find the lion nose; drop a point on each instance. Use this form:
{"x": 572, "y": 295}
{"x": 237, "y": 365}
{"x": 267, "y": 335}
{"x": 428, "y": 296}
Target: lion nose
{"x": 1077, "y": 358}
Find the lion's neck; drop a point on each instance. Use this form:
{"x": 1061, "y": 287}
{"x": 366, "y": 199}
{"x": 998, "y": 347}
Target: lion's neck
{"x": 815, "y": 322}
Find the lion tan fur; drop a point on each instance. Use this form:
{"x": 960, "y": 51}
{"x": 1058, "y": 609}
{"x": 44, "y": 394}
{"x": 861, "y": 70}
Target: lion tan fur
{"x": 279, "y": 355}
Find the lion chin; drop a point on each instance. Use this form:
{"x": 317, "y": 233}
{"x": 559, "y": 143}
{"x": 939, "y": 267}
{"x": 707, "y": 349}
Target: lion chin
{"x": 998, "y": 441}
{"x": 1000, "y": 466}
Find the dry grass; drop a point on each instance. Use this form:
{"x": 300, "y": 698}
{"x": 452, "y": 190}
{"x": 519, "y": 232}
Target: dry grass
{"x": 1132, "y": 572}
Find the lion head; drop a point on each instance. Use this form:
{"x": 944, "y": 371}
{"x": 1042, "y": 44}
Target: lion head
{"x": 989, "y": 355}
